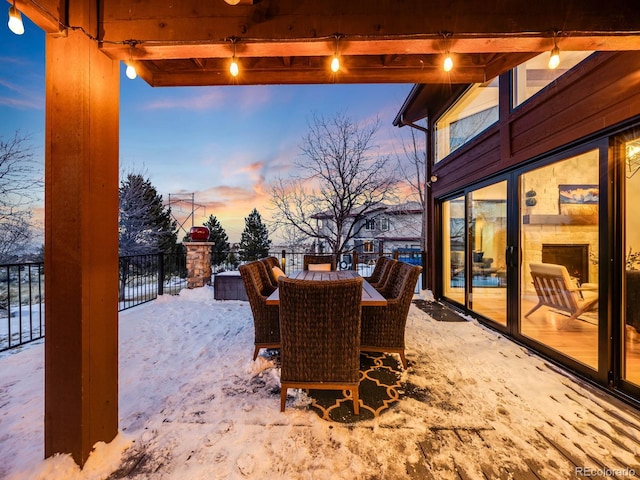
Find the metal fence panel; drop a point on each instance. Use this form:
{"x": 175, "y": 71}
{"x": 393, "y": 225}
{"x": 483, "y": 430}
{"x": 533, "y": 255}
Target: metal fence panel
{"x": 22, "y": 292}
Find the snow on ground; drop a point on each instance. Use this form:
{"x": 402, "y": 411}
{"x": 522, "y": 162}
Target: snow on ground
{"x": 193, "y": 405}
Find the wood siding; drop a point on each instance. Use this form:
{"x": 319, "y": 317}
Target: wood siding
{"x": 600, "y": 94}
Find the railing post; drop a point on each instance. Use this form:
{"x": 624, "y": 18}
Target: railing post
{"x": 354, "y": 263}
{"x": 161, "y": 273}
{"x": 396, "y": 254}
{"x": 424, "y": 269}
{"x": 283, "y": 261}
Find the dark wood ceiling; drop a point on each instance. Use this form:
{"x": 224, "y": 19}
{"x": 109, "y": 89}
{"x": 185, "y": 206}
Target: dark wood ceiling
{"x": 191, "y": 42}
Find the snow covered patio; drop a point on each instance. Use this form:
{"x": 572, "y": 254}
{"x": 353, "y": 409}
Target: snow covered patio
{"x": 194, "y": 406}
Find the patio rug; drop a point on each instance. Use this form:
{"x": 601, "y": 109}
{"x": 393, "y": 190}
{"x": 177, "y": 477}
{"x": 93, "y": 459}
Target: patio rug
{"x": 379, "y": 390}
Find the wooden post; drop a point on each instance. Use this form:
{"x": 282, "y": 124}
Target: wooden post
{"x": 81, "y": 240}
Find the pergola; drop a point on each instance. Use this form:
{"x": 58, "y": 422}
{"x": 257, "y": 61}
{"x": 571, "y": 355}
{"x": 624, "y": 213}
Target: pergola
{"x": 191, "y": 42}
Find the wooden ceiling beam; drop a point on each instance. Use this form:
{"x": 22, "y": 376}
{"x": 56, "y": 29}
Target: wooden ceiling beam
{"x": 389, "y": 47}
{"x": 314, "y": 76}
{"x": 45, "y": 14}
{"x": 202, "y": 19}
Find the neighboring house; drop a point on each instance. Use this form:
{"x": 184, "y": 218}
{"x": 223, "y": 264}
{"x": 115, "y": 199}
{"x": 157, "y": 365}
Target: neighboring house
{"x": 385, "y": 229}
{"x": 539, "y": 166}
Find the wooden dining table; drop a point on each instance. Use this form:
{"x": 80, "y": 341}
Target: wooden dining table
{"x": 370, "y": 296}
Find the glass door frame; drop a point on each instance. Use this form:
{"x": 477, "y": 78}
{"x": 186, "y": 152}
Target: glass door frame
{"x": 618, "y": 286}
{"x": 468, "y": 253}
{"x": 604, "y": 373}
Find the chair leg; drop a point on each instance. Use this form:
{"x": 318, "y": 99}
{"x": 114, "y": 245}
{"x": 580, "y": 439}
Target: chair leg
{"x": 255, "y": 353}
{"x": 283, "y": 397}
{"x": 356, "y": 400}
{"x": 533, "y": 310}
{"x": 404, "y": 360}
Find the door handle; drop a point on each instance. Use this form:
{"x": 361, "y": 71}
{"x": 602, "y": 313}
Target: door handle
{"x": 509, "y": 257}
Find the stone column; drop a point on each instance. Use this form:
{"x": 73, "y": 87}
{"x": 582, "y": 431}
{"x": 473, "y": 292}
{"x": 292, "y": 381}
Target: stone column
{"x": 198, "y": 264}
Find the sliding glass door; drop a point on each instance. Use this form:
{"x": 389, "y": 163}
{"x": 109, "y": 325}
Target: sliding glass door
{"x": 559, "y": 240}
{"x": 474, "y": 239}
{"x": 630, "y": 331}
{"x": 488, "y": 244}
{"x": 453, "y": 249}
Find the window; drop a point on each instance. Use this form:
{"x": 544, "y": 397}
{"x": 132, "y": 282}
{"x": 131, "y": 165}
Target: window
{"x": 384, "y": 224}
{"x": 532, "y": 76}
{"x": 319, "y": 223}
{"x": 367, "y": 247}
{"x": 474, "y": 112}
{"x": 369, "y": 225}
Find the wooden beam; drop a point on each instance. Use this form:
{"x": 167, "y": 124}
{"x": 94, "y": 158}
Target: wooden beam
{"x": 315, "y": 76}
{"x": 81, "y": 241}
{"x": 289, "y": 19}
{"x": 159, "y": 50}
{"x": 46, "y": 14}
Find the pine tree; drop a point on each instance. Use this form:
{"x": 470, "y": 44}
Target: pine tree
{"x": 145, "y": 224}
{"x": 220, "y": 240}
{"x": 254, "y": 243}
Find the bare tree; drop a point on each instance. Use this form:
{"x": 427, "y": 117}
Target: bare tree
{"x": 20, "y": 184}
{"x": 412, "y": 171}
{"x": 345, "y": 179}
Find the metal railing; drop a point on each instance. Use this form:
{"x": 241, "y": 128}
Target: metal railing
{"x": 143, "y": 277}
{"x": 21, "y": 307}
{"x": 22, "y": 292}
{"x": 363, "y": 263}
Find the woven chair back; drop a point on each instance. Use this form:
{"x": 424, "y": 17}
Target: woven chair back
{"x": 389, "y": 276}
{"x": 269, "y": 263}
{"x": 379, "y": 269}
{"x": 319, "y": 259}
{"x": 266, "y": 320}
{"x": 320, "y": 330}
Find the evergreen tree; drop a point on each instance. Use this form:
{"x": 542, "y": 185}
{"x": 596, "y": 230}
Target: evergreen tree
{"x": 254, "y": 243}
{"x": 220, "y": 240}
{"x": 145, "y": 224}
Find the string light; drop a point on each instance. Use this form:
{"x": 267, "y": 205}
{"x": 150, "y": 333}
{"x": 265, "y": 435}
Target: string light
{"x": 554, "y": 58}
{"x": 234, "y": 69}
{"x": 447, "y": 65}
{"x": 15, "y": 20}
{"x": 335, "y": 61}
{"x": 335, "y": 64}
{"x": 130, "y": 72}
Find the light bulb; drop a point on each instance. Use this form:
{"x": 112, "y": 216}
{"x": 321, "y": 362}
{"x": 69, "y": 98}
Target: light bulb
{"x": 131, "y": 72}
{"x": 448, "y": 63}
{"x": 335, "y": 64}
{"x": 15, "y": 21}
{"x": 554, "y": 59}
{"x": 233, "y": 68}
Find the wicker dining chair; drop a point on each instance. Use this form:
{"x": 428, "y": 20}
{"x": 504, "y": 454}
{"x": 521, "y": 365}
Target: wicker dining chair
{"x": 319, "y": 260}
{"x": 320, "y": 331}
{"x": 381, "y": 264}
{"x": 383, "y": 327}
{"x": 266, "y": 319}
{"x": 388, "y": 274}
{"x": 269, "y": 263}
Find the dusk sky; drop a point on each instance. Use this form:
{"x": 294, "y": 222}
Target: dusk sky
{"x": 224, "y": 144}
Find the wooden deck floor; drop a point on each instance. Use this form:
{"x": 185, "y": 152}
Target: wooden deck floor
{"x": 558, "y": 459}
{"x": 613, "y": 427}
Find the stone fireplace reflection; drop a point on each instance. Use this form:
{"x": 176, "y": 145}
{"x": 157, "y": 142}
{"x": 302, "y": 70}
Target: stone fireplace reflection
{"x": 575, "y": 257}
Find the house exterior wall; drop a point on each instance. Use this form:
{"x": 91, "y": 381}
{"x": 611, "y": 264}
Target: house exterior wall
{"x": 582, "y": 109}
{"x": 600, "y": 93}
